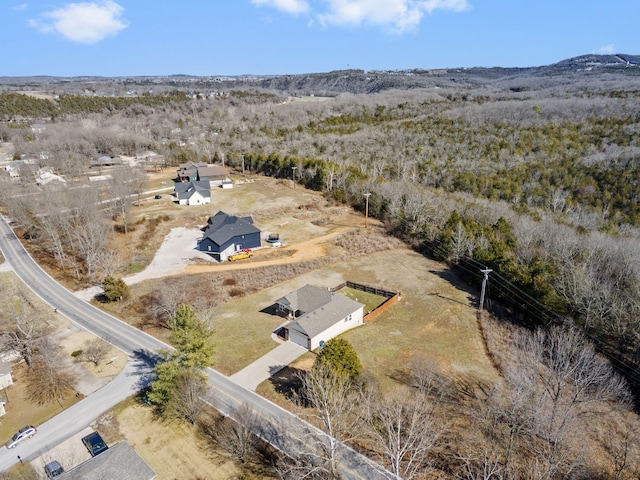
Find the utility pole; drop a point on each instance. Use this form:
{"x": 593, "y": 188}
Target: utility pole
{"x": 486, "y": 272}
{"x": 243, "y": 163}
{"x": 293, "y": 174}
{"x": 366, "y": 209}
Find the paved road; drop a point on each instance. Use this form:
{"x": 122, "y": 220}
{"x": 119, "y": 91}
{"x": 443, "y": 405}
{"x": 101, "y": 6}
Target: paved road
{"x": 279, "y": 427}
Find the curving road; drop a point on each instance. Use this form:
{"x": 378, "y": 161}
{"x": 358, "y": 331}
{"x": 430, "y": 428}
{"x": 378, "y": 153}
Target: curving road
{"x": 279, "y": 427}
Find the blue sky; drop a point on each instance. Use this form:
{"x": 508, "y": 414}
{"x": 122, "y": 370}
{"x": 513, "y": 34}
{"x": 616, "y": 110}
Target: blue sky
{"x": 233, "y": 37}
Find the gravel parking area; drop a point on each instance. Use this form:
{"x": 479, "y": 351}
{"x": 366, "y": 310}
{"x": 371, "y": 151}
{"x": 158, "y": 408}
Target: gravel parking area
{"x": 177, "y": 251}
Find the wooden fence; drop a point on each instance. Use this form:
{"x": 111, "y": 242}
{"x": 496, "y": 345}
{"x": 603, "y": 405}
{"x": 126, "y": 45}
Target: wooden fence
{"x": 391, "y": 297}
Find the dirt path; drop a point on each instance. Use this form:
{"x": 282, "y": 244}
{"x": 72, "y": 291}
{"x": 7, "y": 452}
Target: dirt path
{"x": 300, "y": 252}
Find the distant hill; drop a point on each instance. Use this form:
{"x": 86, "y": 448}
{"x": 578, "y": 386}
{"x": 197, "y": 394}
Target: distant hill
{"x": 346, "y": 81}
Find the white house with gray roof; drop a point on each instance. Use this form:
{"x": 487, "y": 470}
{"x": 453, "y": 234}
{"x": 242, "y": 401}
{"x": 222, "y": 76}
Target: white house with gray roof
{"x": 193, "y": 193}
{"x": 317, "y": 315}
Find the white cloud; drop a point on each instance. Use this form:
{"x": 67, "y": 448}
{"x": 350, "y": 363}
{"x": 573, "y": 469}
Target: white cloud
{"x": 607, "y": 49}
{"x": 294, "y": 7}
{"x": 22, "y": 6}
{"x": 86, "y": 22}
{"x": 396, "y": 15}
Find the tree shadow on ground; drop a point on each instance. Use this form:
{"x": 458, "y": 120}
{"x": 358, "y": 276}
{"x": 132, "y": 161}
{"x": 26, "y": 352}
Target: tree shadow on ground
{"x": 287, "y": 382}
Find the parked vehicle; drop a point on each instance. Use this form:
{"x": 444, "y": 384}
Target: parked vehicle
{"x": 25, "y": 432}
{"x": 158, "y": 197}
{"x": 241, "y": 255}
{"x": 53, "y": 469}
{"x": 94, "y": 443}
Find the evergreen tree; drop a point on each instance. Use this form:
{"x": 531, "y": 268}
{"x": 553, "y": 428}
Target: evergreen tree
{"x": 115, "y": 288}
{"x": 339, "y": 356}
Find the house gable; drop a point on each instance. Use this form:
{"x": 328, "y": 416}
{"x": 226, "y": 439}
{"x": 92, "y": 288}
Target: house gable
{"x": 304, "y": 300}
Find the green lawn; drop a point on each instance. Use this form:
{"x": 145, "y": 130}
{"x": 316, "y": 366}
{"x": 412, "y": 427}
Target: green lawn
{"x": 371, "y": 301}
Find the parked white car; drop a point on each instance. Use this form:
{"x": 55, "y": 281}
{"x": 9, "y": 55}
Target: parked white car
{"x": 25, "y": 432}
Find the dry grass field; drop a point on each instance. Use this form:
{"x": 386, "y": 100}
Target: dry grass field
{"x": 174, "y": 449}
{"x": 326, "y": 245}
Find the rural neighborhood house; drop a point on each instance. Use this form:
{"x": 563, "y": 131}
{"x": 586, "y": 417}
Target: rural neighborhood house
{"x": 317, "y": 315}
{"x": 193, "y": 193}
{"x": 225, "y": 234}
{"x": 216, "y": 175}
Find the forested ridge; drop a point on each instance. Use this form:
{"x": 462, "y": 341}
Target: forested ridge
{"x": 533, "y": 176}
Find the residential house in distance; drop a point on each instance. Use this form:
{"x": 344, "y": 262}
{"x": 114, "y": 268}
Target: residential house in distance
{"x": 226, "y": 234}
{"x": 105, "y": 161}
{"x": 188, "y": 172}
{"x": 13, "y": 168}
{"x": 216, "y": 175}
{"x": 192, "y": 193}
{"x": 120, "y": 462}
{"x": 45, "y": 175}
{"x": 317, "y": 315}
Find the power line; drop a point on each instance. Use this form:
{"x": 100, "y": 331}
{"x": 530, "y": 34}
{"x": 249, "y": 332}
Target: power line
{"x": 527, "y": 301}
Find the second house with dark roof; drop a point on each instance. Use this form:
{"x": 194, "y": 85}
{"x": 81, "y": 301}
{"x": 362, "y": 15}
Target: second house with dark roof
{"x": 225, "y": 234}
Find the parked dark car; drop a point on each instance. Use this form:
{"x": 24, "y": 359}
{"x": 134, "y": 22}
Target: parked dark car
{"x": 25, "y": 432}
{"x": 53, "y": 469}
{"x": 94, "y": 443}
{"x": 158, "y": 197}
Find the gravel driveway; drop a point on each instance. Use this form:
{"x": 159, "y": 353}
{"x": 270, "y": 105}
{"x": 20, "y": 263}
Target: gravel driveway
{"x": 176, "y": 252}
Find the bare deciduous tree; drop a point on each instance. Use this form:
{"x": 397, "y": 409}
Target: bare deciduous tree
{"x": 23, "y": 324}
{"x": 235, "y": 433}
{"x": 403, "y": 431}
{"x": 95, "y": 350}
{"x": 187, "y": 396}
{"x": 49, "y": 377}
{"x": 333, "y": 400}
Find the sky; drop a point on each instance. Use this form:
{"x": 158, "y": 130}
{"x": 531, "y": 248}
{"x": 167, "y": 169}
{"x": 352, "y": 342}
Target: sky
{"x": 275, "y": 37}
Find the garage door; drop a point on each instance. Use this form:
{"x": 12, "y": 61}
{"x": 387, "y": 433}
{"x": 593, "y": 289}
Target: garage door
{"x": 299, "y": 338}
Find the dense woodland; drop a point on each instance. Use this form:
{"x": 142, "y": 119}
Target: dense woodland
{"x": 532, "y": 174}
